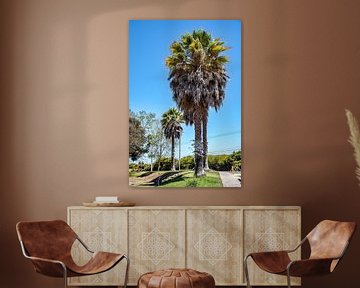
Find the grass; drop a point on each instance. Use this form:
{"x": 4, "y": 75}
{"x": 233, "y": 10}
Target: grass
{"x": 187, "y": 179}
{"x": 173, "y": 179}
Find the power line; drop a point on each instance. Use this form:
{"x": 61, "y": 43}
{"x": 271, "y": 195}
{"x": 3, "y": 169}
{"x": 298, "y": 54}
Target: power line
{"x": 224, "y": 150}
{"x": 218, "y": 135}
{"x": 219, "y": 152}
{"x": 225, "y": 134}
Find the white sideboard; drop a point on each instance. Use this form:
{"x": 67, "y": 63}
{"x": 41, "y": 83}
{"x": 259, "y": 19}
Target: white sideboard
{"x": 212, "y": 239}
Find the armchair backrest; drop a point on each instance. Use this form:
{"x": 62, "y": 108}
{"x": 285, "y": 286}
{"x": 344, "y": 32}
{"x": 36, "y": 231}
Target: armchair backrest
{"x": 46, "y": 239}
{"x": 329, "y": 239}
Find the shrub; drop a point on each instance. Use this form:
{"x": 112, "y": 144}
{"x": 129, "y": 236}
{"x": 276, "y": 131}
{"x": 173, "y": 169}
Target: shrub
{"x": 138, "y": 167}
{"x": 165, "y": 164}
{"x": 187, "y": 163}
{"x": 230, "y": 162}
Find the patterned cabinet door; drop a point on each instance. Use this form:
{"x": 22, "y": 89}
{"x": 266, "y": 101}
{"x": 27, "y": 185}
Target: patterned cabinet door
{"x": 156, "y": 240}
{"x": 270, "y": 230}
{"x": 214, "y": 244}
{"x": 101, "y": 230}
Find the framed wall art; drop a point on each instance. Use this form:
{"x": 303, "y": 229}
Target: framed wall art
{"x": 185, "y": 103}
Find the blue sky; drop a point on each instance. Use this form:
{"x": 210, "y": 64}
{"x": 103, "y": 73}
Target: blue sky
{"x": 149, "y": 90}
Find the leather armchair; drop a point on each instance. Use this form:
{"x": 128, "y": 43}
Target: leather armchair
{"x": 48, "y": 245}
{"x": 328, "y": 242}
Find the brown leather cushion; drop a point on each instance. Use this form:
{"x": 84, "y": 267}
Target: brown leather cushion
{"x": 176, "y": 278}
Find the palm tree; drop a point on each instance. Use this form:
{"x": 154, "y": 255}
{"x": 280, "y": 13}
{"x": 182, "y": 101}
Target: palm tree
{"x": 171, "y": 123}
{"x": 198, "y": 79}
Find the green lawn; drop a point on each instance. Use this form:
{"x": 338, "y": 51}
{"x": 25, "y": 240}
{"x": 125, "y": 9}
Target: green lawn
{"x": 183, "y": 178}
{"x": 187, "y": 179}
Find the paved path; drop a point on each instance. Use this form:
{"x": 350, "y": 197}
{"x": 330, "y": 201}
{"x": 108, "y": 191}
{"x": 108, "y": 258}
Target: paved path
{"x": 229, "y": 180}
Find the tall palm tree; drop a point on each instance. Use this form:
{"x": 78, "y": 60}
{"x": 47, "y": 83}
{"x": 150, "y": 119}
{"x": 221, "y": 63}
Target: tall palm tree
{"x": 198, "y": 79}
{"x": 171, "y": 122}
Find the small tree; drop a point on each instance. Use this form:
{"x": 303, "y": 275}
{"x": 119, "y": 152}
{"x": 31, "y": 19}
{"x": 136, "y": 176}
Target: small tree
{"x": 160, "y": 145}
{"x": 137, "y": 139}
{"x": 148, "y": 121}
{"x": 156, "y": 144}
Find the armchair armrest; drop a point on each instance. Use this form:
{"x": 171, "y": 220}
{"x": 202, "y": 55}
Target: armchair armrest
{"x": 49, "y": 267}
{"x": 279, "y": 252}
{"x": 271, "y": 261}
{"x": 298, "y": 246}
{"x": 308, "y": 267}
{"x": 314, "y": 266}
{"x": 84, "y": 245}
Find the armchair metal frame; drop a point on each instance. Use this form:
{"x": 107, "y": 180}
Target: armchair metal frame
{"x": 63, "y": 265}
{"x": 315, "y": 263}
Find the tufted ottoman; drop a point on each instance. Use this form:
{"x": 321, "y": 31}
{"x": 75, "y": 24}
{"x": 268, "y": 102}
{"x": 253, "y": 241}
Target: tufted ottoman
{"x": 176, "y": 278}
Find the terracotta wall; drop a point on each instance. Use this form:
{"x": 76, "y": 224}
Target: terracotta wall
{"x": 63, "y": 112}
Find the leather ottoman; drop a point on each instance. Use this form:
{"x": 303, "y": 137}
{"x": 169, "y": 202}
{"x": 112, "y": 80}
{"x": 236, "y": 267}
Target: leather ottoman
{"x": 176, "y": 278}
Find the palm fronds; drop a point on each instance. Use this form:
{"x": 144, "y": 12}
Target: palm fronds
{"x": 171, "y": 123}
{"x": 354, "y": 140}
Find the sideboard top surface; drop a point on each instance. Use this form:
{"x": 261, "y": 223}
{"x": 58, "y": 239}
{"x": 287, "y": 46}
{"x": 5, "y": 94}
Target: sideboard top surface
{"x": 193, "y": 207}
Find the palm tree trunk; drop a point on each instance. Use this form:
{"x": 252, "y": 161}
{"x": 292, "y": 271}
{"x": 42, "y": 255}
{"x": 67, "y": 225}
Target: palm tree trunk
{"x": 179, "y": 151}
{"x": 205, "y": 143}
{"x": 173, "y": 152}
{"x": 199, "y": 159}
